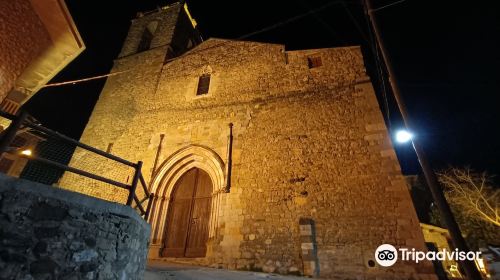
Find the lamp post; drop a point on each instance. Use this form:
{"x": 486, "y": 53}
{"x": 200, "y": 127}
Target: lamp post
{"x": 439, "y": 199}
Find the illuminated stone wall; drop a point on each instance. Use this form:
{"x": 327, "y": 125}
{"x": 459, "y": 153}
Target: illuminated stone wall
{"x": 309, "y": 144}
{"x": 22, "y": 38}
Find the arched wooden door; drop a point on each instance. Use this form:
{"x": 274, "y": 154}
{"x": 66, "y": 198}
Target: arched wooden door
{"x": 189, "y": 213}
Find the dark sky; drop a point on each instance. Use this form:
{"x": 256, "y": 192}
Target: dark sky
{"x": 445, "y": 53}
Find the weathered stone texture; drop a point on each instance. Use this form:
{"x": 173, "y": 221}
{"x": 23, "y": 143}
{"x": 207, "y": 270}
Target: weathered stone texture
{"x": 49, "y": 233}
{"x": 171, "y": 24}
{"x": 308, "y": 143}
{"x": 167, "y": 19}
{"x": 22, "y": 38}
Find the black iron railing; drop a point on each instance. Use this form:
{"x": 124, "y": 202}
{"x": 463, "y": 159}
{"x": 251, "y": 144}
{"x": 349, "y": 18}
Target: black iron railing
{"x": 22, "y": 123}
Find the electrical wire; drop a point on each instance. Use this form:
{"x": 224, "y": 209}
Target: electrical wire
{"x": 270, "y": 27}
{"x": 85, "y": 79}
{"x": 388, "y": 5}
{"x": 292, "y": 19}
{"x": 380, "y": 71}
{"x": 373, "y": 46}
{"x": 355, "y": 22}
{"x": 324, "y": 23}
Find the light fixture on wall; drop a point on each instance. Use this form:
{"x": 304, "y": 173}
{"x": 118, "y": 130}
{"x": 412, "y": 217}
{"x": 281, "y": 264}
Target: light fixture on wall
{"x": 26, "y": 152}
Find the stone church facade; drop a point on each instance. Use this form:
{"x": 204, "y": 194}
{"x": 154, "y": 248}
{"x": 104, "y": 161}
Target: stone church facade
{"x": 259, "y": 158}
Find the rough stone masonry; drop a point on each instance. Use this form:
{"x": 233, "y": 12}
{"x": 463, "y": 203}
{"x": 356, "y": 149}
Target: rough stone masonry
{"x": 50, "y": 233}
{"x": 309, "y": 143}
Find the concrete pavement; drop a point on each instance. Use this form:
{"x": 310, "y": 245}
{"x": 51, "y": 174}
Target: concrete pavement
{"x": 170, "y": 271}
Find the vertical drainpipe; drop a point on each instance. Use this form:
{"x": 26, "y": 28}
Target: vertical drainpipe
{"x": 158, "y": 152}
{"x": 229, "y": 161}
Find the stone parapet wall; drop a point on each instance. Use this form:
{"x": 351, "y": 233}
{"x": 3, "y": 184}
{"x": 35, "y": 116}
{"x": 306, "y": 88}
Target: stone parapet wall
{"x": 50, "y": 233}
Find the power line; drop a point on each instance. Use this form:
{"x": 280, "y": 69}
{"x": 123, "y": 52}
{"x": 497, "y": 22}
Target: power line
{"x": 270, "y": 27}
{"x": 324, "y": 23}
{"x": 376, "y": 56}
{"x": 355, "y": 22}
{"x": 292, "y": 19}
{"x": 84, "y": 79}
{"x": 388, "y": 5}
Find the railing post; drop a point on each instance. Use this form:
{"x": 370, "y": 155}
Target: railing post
{"x": 10, "y": 132}
{"x": 148, "y": 209}
{"x": 135, "y": 181}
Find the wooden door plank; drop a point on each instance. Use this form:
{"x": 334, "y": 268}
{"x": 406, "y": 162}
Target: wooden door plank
{"x": 175, "y": 242}
{"x": 198, "y": 233}
{"x": 179, "y": 215}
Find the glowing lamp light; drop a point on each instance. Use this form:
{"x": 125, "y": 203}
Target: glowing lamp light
{"x": 26, "y": 152}
{"x": 403, "y": 136}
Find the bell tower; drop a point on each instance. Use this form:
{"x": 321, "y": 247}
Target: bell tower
{"x": 171, "y": 27}
{"x": 153, "y": 39}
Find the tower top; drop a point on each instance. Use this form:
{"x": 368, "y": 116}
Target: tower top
{"x": 171, "y": 26}
{"x": 167, "y": 7}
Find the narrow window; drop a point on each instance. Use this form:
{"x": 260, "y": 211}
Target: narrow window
{"x": 314, "y": 61}
{"x": 203, "y": 84}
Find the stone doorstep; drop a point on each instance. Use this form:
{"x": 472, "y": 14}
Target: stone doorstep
{"x": 184, "y": 261}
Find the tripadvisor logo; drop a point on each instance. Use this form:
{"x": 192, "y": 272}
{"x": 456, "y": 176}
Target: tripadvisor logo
{"x": 387, "y": 255}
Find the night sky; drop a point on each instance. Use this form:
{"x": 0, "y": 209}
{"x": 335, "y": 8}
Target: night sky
{"x": 446, "y": 55}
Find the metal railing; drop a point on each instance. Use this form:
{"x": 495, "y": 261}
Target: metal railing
{"x": 21, "y": 123}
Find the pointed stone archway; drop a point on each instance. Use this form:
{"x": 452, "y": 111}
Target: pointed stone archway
{"x": 165, "y": 179}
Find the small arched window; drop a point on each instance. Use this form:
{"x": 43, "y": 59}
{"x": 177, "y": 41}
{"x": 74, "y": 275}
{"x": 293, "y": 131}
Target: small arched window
{"x": 147, "y": 36}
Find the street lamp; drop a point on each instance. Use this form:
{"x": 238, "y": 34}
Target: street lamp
{"x": 403, "y": 136}
{"x": 432, "y": 181}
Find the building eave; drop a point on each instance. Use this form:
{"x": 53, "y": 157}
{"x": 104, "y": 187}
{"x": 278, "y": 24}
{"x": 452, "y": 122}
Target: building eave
{"x": 66, "y": 45}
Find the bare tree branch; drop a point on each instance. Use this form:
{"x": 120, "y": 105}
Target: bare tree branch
{"x": 472, "y": 193}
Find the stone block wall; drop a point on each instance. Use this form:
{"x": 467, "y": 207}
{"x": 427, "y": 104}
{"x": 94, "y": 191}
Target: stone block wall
{"x": 164, "y": 23}
{"x": 22, "y": 38}
{"x": 50, "y": 233}
{"x": 171, "y": 27}
{"x": 309, "y": 144}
